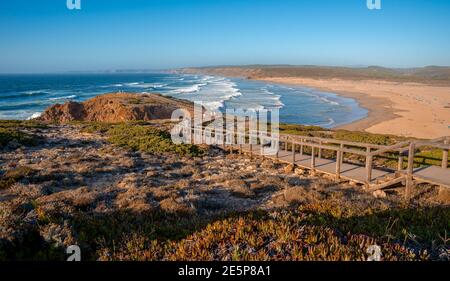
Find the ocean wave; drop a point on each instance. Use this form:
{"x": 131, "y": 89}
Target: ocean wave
{"x": 328, "y": 124}
{"x": 63, "y": 98}
{"x": 23, "y": 94}
{"x": 35, "y": 115}
{"x": 274, "y": 98}
{"x": 133, "y": 84}
{"x": 327, "y": 100}
{"x": 111, "y": 86}
{"x": 145, "y": 85}
{"x": 189, "y": 89}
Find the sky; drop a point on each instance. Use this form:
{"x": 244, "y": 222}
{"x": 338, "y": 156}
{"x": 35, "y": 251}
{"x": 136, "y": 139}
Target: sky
{"x": 45, "y": 36}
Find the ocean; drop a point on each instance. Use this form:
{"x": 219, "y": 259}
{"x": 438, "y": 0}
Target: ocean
{"x": 26, "y": 96}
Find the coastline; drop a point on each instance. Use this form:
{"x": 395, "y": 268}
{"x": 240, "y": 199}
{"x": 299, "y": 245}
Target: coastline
{"x": 396, "y": 108}
{"x": 378, "y": 108}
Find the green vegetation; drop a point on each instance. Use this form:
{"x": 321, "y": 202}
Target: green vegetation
{"x": 364, "y": 137}
{"x": 12, "y": 135}
{"x": 18, "y": 124}
{"x": 14, "y": 175}
{"x": 139, "y": 136}
{"x": 13, "y": 131}
{"x": 134, "y": 101}
{"x": 148, "y": 139}
{"x": 325, "y": 230}
{"x": 311, "y": 232}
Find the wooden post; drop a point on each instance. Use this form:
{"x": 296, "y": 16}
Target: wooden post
{"x": 313, "y": 158}
{"x": 251, "y": 150}
{"x": 409, "y": 176}
{"x": 369, "y": 163}
{"x": 301, "y": 149}
{"x": 400, "y": 161}
{"x": 338, "y": 164}
{"x": 445, "y": 157}
{"x": 320, "y": 151}
{"x": 342, "y": 153}
{"x": 293, "y": 153}
{"x": 277, "y": 147}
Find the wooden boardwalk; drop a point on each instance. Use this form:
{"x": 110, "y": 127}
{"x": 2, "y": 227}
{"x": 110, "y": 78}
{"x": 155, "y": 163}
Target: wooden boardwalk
{"x": 307, "y": 152}
{"x": 291, "y": 151}
{"x": 348, "y": 171}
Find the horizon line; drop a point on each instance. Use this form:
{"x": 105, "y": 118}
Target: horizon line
{"x": 149, "y": 70}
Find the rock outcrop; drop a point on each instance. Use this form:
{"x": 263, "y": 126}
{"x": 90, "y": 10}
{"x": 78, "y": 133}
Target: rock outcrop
{"x": 116, "y": 107}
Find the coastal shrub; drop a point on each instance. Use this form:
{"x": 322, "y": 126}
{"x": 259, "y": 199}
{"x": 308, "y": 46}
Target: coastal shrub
{"x": 94, "y": 127}
{"x": 8, "y": 135}
{"x": 9, "y": 178}
{"x": 429, "y": 156}
{"x": 366, "y": 137}
{"x": 312, "y": 232}
{"x": 149, "y": 139}
{"x": 16, "y": 124}
{"x": 285, "y": 128}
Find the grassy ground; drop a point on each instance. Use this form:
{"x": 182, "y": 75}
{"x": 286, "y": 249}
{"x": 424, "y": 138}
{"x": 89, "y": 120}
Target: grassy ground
{"x": 309, "y": 232}
{"x": 16, "y": 132}
{"x": 139, "y": 136}
{"x": 328, "y": 229}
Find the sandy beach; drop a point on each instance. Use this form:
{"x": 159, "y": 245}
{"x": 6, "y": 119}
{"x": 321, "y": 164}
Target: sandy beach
{"x": 404, "y": 109}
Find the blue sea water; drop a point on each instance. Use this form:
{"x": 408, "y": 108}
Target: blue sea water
{"x": 26, "y": 96}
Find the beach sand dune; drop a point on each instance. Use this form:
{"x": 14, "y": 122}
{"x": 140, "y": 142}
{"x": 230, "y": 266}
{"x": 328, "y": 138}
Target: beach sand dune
{"x": 405, "y": 102}
{"x": 398, "y": 108}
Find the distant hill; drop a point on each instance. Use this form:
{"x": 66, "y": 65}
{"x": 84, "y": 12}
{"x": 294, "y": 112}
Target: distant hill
{"x": 436, "y": 75}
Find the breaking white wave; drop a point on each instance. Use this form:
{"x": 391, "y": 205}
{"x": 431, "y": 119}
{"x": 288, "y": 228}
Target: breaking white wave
{"x": 35, "y": 115}
{"x": 328, "y": 101}
{"x": 328, "y": 124}
{"x": 132, "y": 84}
{"x": 147, "y": 85}
{"x": 189, "y": 89}
{"x": 63, "y": 98}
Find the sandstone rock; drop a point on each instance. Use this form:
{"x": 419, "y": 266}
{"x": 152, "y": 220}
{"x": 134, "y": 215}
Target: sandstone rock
{"x": 379, "y": 194}
{"x": 444, "y": 195}
{"x": 289, "y": 169}
{"x": 116, "y": 107}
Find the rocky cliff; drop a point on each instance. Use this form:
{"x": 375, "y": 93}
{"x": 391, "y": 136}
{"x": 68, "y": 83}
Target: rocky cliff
{"x": 116, "y": 107}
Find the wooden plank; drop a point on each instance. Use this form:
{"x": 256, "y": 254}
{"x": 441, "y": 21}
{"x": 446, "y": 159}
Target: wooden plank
{"x": 409, "y": 176}
{"x": 400, "y": 162}
{"x": 293, "y": 153}
{"x": 369, "y": 162}
{"x": 338, "y": 164}
{"x": 445, "y": 157}
{"x": 319, "y": 155}
{"x": 433, "y": 174}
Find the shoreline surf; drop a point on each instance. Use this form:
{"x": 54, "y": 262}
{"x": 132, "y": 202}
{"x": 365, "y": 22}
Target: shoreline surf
{"x": 299, "y": 105}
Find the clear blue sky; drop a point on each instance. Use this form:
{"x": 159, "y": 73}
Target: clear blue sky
{"x": 44, "y": 36}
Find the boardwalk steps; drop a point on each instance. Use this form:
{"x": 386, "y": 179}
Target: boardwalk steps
{"x": 307, "y": 153}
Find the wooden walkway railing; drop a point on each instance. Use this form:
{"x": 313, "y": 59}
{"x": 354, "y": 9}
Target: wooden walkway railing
{"x": 308, "y": 152}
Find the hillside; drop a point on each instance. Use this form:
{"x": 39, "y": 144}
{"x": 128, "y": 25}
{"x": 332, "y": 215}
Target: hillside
{"x": 125, "y": 192}
{"x": 433, "y": 75}
{"x": 116, "y": 107}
